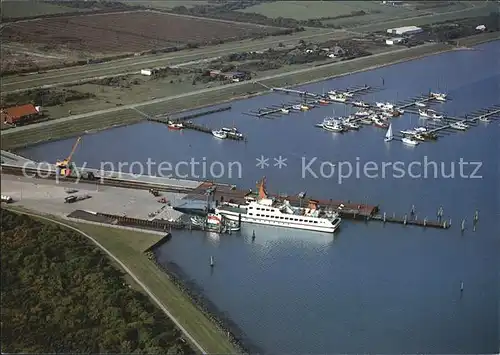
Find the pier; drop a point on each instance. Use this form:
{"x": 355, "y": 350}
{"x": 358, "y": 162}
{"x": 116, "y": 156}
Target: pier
{"x": 188, "y": 124}
{"x": 308, "y": 101}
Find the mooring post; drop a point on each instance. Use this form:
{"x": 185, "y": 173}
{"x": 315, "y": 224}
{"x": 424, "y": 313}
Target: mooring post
{"x": 476, "y": 216}
{"x": 440, "y": 213}
{"x": 385, "y": 215}
{"x": 425, "y": 221}
{"x": 212, "y": 261}
{"x": 444, "y": 225}
{"x": 405, "y": 220}
{"x": 394, "y": 215}
{"x": 412, "y": 212}
{"x": 462, "y": 227}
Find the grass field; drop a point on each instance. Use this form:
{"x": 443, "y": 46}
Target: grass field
{"x": 28, "y": 8}
{"x": 376, "y": 13}
{"x": 128, "y": 246}
{"x": 481, "y": 9}
{"x": 164, "y": 4}
{"x": 305, "y": 10}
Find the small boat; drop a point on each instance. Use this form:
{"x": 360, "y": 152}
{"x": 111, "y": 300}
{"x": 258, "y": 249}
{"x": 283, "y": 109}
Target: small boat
{"x": 419, "y": 104}
{"x": 297, "y": 107}
{"x": 348, "y": 94}
{"x": 420, "y": 129}
{"x": 285, "y": 110}
{"x": 350, "y": 125}
{"x": 379, "y": 123}
{"x": 438, "y": 96}
{"x": 419, "y": 137}
{"x": 219, "y": 134}
{"x": 332, "y": 92}
{"x": 360, "y": 104}
{"x": 363, "y": 113}
{"x": 389, "y": 136}
{"x": 338, "y": 98}
{"x": 366, "y": 121}
{"x": 484, "y": 119}
{"x": 323, "y": 102}
{"x": 387, "y": 106}
{"x": 409, "y": 141}
{"x": 232, "y": 132}
{"x": 333, "y": 126}
{"x": 304, "y": 107}
{"x": 172, "y": 125}
{"x": 430, "y": 114}
{"x": 459, "y": 125}
{"x": 408, "y": 132}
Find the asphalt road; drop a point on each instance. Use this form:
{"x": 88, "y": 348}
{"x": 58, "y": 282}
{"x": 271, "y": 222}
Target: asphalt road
{"x": 135, "y": 64}
{"x": 136, "y": 106}
{"x": 128, "y": 271}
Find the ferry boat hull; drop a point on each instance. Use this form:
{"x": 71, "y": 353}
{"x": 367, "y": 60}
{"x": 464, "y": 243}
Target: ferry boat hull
{"x": 234, "y": 216}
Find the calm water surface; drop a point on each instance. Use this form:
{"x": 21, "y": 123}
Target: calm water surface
{"x": 372, "y": 288}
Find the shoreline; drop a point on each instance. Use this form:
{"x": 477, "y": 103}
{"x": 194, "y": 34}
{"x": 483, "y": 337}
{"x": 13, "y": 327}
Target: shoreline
{"x": 93, "y": 124}
{"x": 195, "y": 294}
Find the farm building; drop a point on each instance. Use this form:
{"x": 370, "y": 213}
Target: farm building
{"x": 408, "y": 30}
{"x": 19, "y": 114}
{"x": 392, "y": 41}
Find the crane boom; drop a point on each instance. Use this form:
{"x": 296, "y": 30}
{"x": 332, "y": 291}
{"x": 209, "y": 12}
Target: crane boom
{"x": 73, "y": 149}
{"x": 67, "y": 161}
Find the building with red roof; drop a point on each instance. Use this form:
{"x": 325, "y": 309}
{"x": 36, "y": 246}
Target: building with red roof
{"x": 19, "y": 114}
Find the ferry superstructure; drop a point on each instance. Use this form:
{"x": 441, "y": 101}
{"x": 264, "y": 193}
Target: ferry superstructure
{"x": 272, "y": 212}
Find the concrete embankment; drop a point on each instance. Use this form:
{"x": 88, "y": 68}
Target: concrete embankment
{"x": 196, "y": 295}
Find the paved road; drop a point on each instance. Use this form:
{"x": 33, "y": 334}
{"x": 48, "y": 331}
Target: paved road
{"x": 193, "y": 93}
{"x": 128, "y": 271}
{"x": 135, "y": 64}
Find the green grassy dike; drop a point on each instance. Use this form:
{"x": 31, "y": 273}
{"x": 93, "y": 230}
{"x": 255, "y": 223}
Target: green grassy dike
{"x": 66, "y": 129}
{"x": 128, "y": 246}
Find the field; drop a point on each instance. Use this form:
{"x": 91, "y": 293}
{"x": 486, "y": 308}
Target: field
{"x": 90, "y": 36}
{"x": 305, "y": 10}
{"x": 375, "y": 11}
{"x": 125, "y": 32}
{"x": 164, "y": 4}
{"x": 29, "y": 8}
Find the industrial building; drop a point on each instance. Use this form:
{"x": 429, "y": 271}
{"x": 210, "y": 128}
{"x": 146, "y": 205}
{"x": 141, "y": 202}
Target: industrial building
{"x": 405, "y": 31}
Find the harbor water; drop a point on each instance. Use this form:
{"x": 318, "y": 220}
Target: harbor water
{"x": 373, "y": 287}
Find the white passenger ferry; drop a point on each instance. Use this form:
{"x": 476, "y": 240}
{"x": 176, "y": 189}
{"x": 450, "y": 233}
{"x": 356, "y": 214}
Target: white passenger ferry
{"x": 269, "y": 211}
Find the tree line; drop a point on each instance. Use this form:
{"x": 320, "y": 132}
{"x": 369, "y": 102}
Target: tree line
{"x": 61, "y": 294}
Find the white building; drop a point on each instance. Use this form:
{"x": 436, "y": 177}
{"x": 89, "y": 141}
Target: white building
{"x": 392, "y": 41}
{"x": 481, "y": 28}
{"x": 408, "y": 30}
{"x": 147, "y": 72}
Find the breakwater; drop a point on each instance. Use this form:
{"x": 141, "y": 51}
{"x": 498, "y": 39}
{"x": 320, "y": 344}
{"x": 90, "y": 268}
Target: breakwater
{"x": 195, "y": 293}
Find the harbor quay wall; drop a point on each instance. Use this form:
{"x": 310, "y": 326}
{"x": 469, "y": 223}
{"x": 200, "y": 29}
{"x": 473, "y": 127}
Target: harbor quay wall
{"x": 195, "y": 293}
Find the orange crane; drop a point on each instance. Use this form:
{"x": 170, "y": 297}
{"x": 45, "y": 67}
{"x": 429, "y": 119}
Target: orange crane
{"x": 64, "y": 166}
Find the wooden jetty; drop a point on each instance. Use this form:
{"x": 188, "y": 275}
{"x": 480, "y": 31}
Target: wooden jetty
{"x": 165, "y": 119}
{"x": 472, "y": 120}
{"x": 271, "y": 112}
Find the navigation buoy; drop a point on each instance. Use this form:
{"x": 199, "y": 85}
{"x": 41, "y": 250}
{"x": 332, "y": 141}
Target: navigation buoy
{"x": 461, "y": 286}
{"x": 253, "y": 235}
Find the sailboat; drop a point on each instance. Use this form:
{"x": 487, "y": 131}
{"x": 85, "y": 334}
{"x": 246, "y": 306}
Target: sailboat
{"x": 389, "y": 136}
